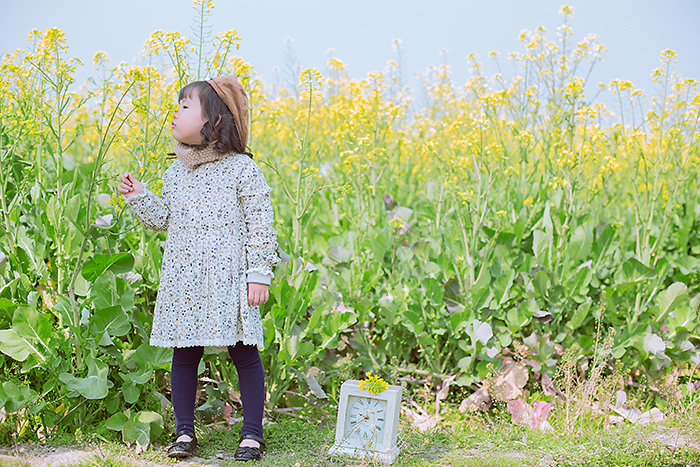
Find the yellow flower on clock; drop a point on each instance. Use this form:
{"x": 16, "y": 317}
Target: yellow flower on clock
{"x": 373, "y": 384}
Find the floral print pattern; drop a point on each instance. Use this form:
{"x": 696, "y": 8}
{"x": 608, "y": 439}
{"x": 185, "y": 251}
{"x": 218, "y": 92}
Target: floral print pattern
{"x": 219, "y": 221}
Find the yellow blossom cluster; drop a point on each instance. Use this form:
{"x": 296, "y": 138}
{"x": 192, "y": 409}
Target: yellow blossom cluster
{"x": 373, "y": 384}
{"x": 335, "y": 145}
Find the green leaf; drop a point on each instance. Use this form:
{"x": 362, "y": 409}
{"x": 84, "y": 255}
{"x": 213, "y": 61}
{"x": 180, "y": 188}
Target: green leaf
{"x": 578, "y": 288}
{"x": 403, "y": 254}
{"x": 116, "y": 422}
{"x": 64, "y": 309}
{"x": 7, "y": 307}
{"x": 112, "y": 320}
{"x": 481, "y": 292}
{"x": 16, "y": 397}
{"x": 452, "y": 289}
{"x": 579, "y": 245}
{"x": 14, "y": 346}
{"x": 109, "y": 290}
{"x": 541, "y": 243}
{"x": 465, "y": 363}
{"x": 82, "y": 286}
{"x": 669, "y": 299}
{"x": 147, "y": 356}
{"x": 137, "y": 378}
{"x": 521, "y": 316}
{"x": 54, "y": 212}
{"x": 653, "y": 344}
{"x": 295, "y": 347}
{"x": 142, "y": 378}
{"x": 579, "y": 315}
{"x": 687, "y": 264}
{"x": 412, "y": 321}
{"x": 434, "y": 290}
{"x": 479, "y": 332}
{"x": 503, "y": 285}
{"x": 98, "y": 264}
{"x": 603, "y": 243}
{"x": 137, "y": 432}
{"x": 542, "y": 283}
{"x": 72, "y": 209}
{"x": 105, "y": 340}
{"x": 33, "y": 326}
{"x": 33, "y": 251}
{"x": 545, "y": 222}
{"x": 683, "y": 318}
{"x": 95, "y": 385}
{"x": 155, "y": 420}
{"x": 337, "y": 254}
{"x": 155, "y": 257}
{"x": 112, "y": 402}
{"x": 633, "y": 272}
{"x": 131, "y": 393}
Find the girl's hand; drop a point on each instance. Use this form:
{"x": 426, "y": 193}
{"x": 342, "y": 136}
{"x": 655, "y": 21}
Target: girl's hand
{"x": 257, "y": 293}
{"x": 130, "y": 186}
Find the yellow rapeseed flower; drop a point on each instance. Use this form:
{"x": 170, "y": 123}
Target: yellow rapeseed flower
{"x": 373, "y": 384}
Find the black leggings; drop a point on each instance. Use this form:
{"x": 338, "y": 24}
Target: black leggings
{"x": 251, "y": 380}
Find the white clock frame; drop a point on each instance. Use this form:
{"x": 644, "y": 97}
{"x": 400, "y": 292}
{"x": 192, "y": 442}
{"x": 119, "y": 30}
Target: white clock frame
{"x": 383, "y": 446}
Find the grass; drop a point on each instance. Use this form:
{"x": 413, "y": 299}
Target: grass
{"x": 474, "y": 442}
{"x": 477, "y": 440}
{"x": 13, "y": 463}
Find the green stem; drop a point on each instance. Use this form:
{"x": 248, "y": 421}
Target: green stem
{"x": 299, "y": 202}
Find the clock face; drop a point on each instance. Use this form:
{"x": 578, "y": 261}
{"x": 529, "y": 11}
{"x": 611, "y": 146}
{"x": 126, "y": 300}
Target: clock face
{"x": 365, "y": 420}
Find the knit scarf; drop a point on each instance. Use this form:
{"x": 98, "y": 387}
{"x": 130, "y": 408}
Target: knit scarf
{"x": 192, "y": 157}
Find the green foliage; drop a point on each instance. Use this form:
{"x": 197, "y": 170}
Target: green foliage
{"x": 433, "y": 243}
{"x": 137, "y": 429}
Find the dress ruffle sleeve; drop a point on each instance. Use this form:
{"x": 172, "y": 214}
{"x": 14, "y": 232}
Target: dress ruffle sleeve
{"x": 261, "y": 245}
{"x": 152, "y": 211}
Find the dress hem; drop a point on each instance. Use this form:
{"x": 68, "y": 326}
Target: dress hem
{"x": 204, "y": 343}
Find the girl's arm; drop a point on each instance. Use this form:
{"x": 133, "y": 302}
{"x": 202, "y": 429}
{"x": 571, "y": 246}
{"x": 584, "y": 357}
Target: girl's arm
{"x": 261, "y": 245}
{"x": 152, "y": 211}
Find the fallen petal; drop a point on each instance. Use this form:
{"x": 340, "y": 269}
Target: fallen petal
{"x": 479, "y": 400}
{"x": 423, "y": 422}
{"x": 620, "y": 398}
{"x": 541, "y": 413}
{"x": 653, "y": 415}
{"x": 518, "y": 410}
{"x": 548, "y": 386}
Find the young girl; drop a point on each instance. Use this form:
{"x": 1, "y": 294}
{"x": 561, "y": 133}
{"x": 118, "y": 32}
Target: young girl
{"x": 219, "y": 253}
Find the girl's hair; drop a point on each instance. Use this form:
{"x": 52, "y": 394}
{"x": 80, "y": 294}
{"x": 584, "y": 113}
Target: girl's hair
{"x": 220, "y": 127}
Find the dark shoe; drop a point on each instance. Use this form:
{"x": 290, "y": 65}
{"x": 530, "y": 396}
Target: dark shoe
{"x": 247, "y": 453}
{"x": 182, "y": 449}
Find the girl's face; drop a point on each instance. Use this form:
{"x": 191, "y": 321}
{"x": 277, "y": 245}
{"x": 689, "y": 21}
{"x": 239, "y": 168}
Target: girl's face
{"x": 188, "y": 121}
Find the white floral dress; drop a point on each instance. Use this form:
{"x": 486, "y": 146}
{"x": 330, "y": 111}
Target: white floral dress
{"x": 219, "y": 221}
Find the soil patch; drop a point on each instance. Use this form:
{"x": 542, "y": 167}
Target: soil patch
{"x": 64, "y": 456}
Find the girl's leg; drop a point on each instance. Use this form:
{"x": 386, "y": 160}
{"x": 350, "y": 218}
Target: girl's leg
{"x": 183, "y": 380}
{"x": 251, "y": 380}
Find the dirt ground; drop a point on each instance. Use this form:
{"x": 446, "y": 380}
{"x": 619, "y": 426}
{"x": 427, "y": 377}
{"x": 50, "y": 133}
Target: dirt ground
{"x": 50, "y": 456}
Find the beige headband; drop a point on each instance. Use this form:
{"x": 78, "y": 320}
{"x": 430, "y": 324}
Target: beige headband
{"x": 234, "y": 96}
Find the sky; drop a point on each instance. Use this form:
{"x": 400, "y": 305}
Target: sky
{"x": 361, "y": 32}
